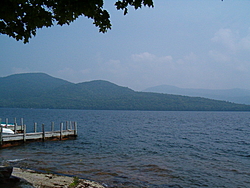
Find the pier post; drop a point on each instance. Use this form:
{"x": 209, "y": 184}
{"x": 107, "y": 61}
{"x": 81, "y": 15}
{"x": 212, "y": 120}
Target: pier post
{"x": 6, "y": 122}
{"x": 66, "y": 125}
{"x": 24, "y": 133}
{"x": 1, "y": 135}
{"x": 15, "y": 127}
{"x": 75, "y": 128}
{"x": 35, "y": 127}
{"x": 70, "y": 125}
{"x": 52, "y": 126}
{"x": 43, "y": 130}
{"x": 26, "y": 137}
{"x": 61, "y": 130}
{"x": 21, "y": 123}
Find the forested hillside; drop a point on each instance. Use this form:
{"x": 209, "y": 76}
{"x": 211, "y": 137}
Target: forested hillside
{"x": 38, "y": 90}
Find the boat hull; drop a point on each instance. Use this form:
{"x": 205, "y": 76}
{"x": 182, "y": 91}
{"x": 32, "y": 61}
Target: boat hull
{"x": 7, "y": 131}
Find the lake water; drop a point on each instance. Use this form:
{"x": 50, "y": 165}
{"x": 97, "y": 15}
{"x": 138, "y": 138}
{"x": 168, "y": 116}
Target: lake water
{"x": 141, "y": 148}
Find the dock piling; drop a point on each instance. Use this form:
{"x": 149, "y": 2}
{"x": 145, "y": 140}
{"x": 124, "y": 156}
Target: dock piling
{"x": 24, "y": 133}
{"x": 21, "y": 135}
{"x": 69, "y": 128}
{"x": 75, "y": 128}
{"x": 67, "y": 124}
{"x": 15, "y": 128}
{"x": 22, "y": 123}
{"x": 1, "y": 135}
{"x": 61, "y": 129}
{"x": 35, "y": 127}
{"x": 43, "y": 130}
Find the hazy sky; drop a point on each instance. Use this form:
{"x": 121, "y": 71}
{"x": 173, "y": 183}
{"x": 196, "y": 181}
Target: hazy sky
{"x": 185, "y": 43}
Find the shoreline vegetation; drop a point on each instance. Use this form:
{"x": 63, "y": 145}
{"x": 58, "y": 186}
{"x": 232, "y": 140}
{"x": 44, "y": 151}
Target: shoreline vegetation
{"x": 33, "y": 179}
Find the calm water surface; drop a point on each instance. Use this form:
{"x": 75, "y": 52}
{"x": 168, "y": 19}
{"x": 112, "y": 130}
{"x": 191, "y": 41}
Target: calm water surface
{"x": 141, "y": 149}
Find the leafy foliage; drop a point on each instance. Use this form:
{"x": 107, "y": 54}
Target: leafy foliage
{"x": 39, "y": 90}
{"x": 21, "y": 18}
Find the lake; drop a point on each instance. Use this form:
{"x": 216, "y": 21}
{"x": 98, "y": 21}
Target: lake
{"x": 141, "y": 148}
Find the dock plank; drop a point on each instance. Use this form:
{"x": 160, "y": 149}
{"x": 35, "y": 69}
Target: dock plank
{"x": 20, "y": 138}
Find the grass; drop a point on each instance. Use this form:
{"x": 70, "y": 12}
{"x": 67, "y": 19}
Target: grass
{"x": 74, "y": 183}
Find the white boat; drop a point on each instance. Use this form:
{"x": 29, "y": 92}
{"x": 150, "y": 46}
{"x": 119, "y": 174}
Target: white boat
{"x": 7, "y": 131}
{"x": 7, "y": 125}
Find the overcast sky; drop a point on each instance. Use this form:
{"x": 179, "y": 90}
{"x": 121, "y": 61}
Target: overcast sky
{"x": 184, "y": 43}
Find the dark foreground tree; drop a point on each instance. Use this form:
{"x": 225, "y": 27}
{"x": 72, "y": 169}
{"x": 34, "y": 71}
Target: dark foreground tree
{"x": 21, "y": 18}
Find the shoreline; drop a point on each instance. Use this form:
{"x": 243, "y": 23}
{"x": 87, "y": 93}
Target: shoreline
{"x": 36, "y": 179}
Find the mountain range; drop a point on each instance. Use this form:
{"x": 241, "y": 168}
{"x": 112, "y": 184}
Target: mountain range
{"x": 39, "y": 90}
{"x": 241, "y": 96}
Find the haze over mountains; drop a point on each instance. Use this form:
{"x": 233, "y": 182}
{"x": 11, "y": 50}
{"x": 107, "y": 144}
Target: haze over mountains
{"x": 241, "y": 96}
{"x": 39, "y": 90}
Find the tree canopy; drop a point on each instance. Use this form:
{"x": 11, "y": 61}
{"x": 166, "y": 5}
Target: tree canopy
{"x": 20, "y": 19}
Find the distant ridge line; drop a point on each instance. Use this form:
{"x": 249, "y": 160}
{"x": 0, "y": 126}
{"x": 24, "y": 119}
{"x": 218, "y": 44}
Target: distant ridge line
{"x": 235, "y": 95}
{"x": 39, "y": 90}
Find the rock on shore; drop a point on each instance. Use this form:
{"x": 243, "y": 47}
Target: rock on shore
{"x": 24, "y": 178}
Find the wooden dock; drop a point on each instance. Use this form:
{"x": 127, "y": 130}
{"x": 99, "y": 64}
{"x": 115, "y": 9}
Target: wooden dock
{"x": 67, "y": 130}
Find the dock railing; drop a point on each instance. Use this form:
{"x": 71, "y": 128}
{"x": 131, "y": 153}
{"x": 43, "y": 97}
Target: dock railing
{"x": 67, "y": 130}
